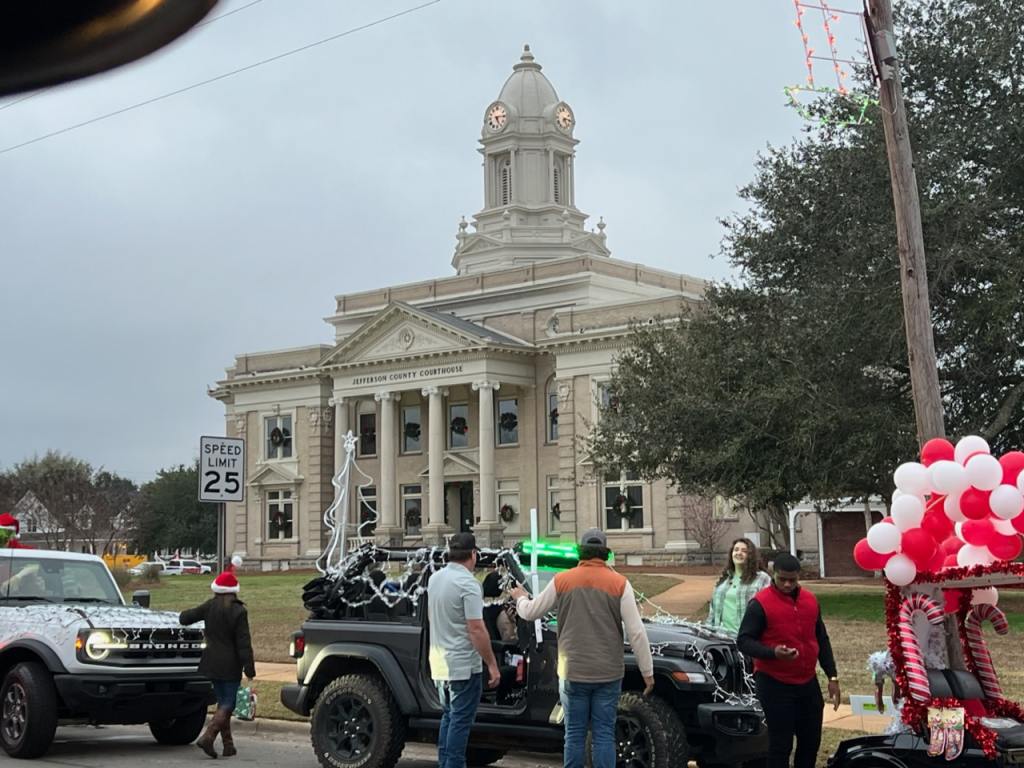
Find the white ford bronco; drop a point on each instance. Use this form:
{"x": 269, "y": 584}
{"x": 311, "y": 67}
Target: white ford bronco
{"x": 72, "y": 650}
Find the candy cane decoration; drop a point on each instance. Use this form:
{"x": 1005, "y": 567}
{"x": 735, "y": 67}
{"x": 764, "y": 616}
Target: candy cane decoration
{"x": 913, "y": 662}
{"x": 979, "y": 650}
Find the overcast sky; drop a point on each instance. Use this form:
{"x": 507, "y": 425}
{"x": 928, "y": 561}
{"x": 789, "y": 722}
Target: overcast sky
{"x": 142, "y": 252}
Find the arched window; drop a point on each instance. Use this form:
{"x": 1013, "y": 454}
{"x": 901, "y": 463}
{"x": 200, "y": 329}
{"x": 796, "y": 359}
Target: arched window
{"x": 506, "y": 182}
{"x": 557, "y": 181}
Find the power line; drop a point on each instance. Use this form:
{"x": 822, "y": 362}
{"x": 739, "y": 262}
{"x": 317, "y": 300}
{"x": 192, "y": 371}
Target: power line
{"x": 200, "y": 24}
{"x": 246, "y": 68}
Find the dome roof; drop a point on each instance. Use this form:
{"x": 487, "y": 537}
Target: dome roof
{"x": 527, "y": 89}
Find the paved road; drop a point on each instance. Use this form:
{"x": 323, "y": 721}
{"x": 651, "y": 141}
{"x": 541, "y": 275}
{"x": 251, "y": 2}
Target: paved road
{"x": 126, "y": 746}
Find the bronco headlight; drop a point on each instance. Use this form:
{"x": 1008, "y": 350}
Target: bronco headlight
{"x": 96, "y": 645}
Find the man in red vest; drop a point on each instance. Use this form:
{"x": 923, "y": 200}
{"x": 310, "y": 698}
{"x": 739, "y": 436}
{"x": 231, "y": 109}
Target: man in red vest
{"x": 782, "y": 630}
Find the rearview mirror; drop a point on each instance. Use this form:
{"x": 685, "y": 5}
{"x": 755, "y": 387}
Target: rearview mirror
{"x": 140, "y": 597}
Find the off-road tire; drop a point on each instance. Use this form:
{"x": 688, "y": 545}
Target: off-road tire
{"x": 648, "y": 734}
{"x": 28, "y": 710}
{"x": 180, "y": 730}
{"x": 478, "y": 757}
{"x": 376, "y": 729}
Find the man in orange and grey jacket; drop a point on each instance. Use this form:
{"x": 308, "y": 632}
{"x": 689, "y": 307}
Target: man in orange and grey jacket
{"x": 592, "y": 603}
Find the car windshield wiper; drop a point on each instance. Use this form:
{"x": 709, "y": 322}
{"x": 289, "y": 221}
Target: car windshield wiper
{"x": 29, "y": 597}
{"x": 88, "y": 600}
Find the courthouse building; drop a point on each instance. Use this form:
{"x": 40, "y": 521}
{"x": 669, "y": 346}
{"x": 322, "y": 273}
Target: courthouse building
{"x": 468, "y": 394}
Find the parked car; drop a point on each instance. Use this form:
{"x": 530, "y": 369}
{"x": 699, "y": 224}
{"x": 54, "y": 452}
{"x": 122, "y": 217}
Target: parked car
{"x": 72, "y": 650}
{"x": 363, "y": 678}
{"x": 180, "y": 567}
{"x": 143, "y": 568}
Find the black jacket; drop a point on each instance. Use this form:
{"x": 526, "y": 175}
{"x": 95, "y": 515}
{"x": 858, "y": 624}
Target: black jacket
{"x": 228, "y": 650}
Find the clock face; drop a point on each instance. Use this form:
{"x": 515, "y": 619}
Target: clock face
{"x": 497, "y": 117}
{"x": 563, "y": 117}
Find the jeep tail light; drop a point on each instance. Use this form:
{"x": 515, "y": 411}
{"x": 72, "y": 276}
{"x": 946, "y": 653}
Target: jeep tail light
{"x": 297, "y": 647}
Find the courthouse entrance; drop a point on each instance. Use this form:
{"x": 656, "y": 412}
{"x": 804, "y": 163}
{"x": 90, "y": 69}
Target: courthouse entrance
{"x": 458, "y": 498}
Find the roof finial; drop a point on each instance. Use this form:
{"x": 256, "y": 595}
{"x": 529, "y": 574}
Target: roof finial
{"x": 526, "y": 61}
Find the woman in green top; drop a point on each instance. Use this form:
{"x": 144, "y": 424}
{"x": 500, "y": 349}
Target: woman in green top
{"x": 740, "y": 581}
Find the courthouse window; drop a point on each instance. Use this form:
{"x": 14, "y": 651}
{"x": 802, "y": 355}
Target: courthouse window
{"x": 412, "y": 506}
{"x": 458, "y": 425}
{"x": 278, "y": 434}
{"x": 552, "y": 414}
{"x": 623, "y": 501}
{"x": 367, "y": 500}
{"x": 508, "y": 421}
{"x": 368, "y": 434}
{"x": 411, "y": 431}
{"x": 554, "y": 510}
{"x": 280, "y": 514}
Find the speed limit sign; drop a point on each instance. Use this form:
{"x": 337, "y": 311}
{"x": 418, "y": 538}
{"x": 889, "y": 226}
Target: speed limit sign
{"x": 221, "y": 469}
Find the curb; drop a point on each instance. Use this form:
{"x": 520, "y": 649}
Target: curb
{"x": 270, "y": 727}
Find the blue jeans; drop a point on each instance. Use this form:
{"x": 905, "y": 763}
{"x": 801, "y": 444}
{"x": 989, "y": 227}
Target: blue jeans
{"x": 226, "y": 691}
{"x": 459, "y": 700}
{"x": 590, "y": 706}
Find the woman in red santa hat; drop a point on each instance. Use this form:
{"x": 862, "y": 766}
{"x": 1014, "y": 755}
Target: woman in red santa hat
{"x": 9, "y": 530}
{"x": 227, "y": 655}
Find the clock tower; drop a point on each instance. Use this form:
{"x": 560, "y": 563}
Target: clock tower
{"x": 529, "y": 211}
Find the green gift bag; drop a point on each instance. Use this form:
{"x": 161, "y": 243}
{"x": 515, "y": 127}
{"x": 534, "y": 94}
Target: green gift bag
{"x": 245, "y": 703}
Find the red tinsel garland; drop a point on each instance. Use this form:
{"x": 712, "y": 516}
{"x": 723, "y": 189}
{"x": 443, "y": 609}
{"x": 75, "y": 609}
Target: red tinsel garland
{"x": 973, "y": 571}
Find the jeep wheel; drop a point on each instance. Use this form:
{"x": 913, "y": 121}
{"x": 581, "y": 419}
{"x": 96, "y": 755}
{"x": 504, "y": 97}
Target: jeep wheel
{"x": 478, "y": 757}
{"x": 179, "y": 731}
{"x": 648, "y": 734}
{"x": 356, "y": 724}
{"x": 28, "y": 711}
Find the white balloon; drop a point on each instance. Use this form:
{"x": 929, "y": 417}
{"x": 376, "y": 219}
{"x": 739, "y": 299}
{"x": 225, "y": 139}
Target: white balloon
{"x": 907, "y": 512}
{"x": 897, "y": 493}
{"x": 951, "y": 506}
{"x": 1020, "y": 482}
{"x": 1006, "y": 502}
{"x": 948, "y": 477}
{"x": 971, "y": 554}
{"x": 1004, "y": 527}
{"x": 984, "y": 472}
{"x": 983, "y": 595}
{"x": 900, "y": 570}
{"x": 968, "y": 445}
{"x": 958, "y": 531}
{"x": 912, "y": 478}
{"x": 884, "y": 538}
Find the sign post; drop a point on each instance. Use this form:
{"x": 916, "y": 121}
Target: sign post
{"x": 221, "y": 479}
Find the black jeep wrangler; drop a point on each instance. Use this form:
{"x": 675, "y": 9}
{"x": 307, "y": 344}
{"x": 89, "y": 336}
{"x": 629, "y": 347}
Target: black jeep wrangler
{"x": 364, "y": 677}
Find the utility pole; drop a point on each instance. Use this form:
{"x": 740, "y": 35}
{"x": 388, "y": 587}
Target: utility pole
{"x": 924, "y": 374}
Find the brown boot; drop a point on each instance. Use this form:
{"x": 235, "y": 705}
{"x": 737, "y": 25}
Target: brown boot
{"x": 227, "y": 739}
{"x": 206, "y": 741}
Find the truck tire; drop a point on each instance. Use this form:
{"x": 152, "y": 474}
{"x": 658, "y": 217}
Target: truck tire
{"x": 356, "y": 724}
{"x": 180, "y": 730}
{"x": 648, "y": 734}
{"x": 28, "y": 710}
{"x": 478, "y": 757}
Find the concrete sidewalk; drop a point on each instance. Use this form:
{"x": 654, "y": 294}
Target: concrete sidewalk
{"x": 275, "y": 672}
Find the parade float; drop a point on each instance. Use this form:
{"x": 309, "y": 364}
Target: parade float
{"x": 948, "y": 546}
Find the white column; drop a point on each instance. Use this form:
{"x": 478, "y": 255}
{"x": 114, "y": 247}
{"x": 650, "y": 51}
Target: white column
{"x": 340, "y": 430}
{"x": 388, "y": 509}
{"x": 489, "y": 528}
{"x": 435, "y": 461}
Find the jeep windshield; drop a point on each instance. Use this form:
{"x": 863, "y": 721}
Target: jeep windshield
{"x": 54, "y": 580}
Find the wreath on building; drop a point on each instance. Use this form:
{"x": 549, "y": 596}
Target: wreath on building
{"x": 508, "y": 422}
{"x": 621, "y": 506}
{"x": 277, "y": 519}
{"x": 276, "y": 436}
{"x": 507, "y": 513}
{"x": 556, "y": 511}
{"x": 554, "y": 416}
{"x": 412, "y": 430}
{"x": 459, "y": 425}
{"x": 412, "y": 517}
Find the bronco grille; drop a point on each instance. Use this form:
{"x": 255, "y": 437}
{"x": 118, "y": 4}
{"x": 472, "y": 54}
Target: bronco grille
{"x": 166, "y": 646}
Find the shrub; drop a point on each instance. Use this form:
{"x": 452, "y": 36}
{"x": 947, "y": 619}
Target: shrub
{"x": 121, "y": 577}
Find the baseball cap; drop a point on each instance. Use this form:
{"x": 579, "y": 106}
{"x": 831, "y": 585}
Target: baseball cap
{"x": 464, "y": 541}
{"x": 594, "y": 536}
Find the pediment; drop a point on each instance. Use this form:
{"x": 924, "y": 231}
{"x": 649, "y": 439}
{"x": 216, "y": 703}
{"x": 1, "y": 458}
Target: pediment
{"x": 404, "y": 331}
{"x": 275, "y": 474}
{"x": 457, "y": 464}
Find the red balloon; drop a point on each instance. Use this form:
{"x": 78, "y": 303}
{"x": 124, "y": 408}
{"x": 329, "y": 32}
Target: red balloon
{"x": 950, "y": 561}
{"x": 974, "y": 503}
{"x": 867, "y": 558}
{"x": 936, "y": 449}
{"x": 978, "y": 532}
{"x": 1018, "y": 523}
{"x": 919, "y": 546}
{"x": 938, "y": 525}
{"x": 1005, "y": 547}
{"x": 938, "y": 560}
{"x": 952, "y": 545}
{"x": 1012, "y": 463}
